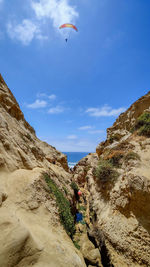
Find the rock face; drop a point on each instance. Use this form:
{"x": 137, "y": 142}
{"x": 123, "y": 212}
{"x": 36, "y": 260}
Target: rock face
{"x": 127, "y": 119}
{"x": 115, "y": 230}
{"x": 119, "y": 211}
{"x": 30, "y": 229}
{"x": 19, "y": 146}
{"x": 122, "y": 126}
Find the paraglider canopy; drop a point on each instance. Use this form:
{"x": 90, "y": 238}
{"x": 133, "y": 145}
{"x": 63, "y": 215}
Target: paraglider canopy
{"x": 68, "y": 25}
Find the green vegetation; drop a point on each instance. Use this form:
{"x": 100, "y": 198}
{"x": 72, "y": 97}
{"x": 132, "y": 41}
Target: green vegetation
{"x": 65, "y": 190}
{"x": 115, "y": 160}
{"x": 131, "y": 155}
{"x": 114, "y": 137}
{"x": 82, "y": 208}
{"x": 143, "y": 124}
{"x": 105, "y": 172}
{"x": 76, "y": 244}
{"x": 145, "y": 130}
{"x": 63, "y": 204}
{"x": 74, "y": 186}
{"x": 114, "y": 157}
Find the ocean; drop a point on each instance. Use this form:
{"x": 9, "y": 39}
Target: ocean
{"x": 74, "y": 157}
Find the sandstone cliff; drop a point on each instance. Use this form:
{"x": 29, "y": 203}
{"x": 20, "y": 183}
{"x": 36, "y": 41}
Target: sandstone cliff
{"x": 118, "y": 210}
{"x": 121, "y": 128}
{"x": 115, "y": 230}
{"x": 30, "y": 230}
{"x": 19, "y": 146}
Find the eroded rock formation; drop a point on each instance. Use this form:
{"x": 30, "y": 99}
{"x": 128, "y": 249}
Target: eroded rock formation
{"x": 118, "y": 212}
{"x": 30, "y": 230}
{"x": 116, "y": 227}
{"x": 19, "y": 146}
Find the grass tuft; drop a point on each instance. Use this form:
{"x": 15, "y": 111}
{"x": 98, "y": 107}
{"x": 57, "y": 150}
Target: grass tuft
{"x": 63, "y": 204}
{"x": 74, "y": 186}
{"x": 105, "y": 172}
{"x": 143, "y": 124}
{"x": 131, "y": 155}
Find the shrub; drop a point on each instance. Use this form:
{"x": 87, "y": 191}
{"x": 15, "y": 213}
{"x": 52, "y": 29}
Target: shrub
{"x": 114, "y": 137}
{"x": 145, "y": 130}
{"x": 63, "y": 204}
{"x": 143, "y": 124}
{"x": 76, "y": 244}
{"x": 105, "y": 172}
{"x": 115, "y": 160}
{"x": 131, "y": 155}
{"x": 74, "y": 186}
{"x": 114, "y": 157}
{"x": 143, "y": 119}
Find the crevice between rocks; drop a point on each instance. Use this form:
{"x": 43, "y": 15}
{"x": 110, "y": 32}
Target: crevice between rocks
{"x": 105, "y": 258}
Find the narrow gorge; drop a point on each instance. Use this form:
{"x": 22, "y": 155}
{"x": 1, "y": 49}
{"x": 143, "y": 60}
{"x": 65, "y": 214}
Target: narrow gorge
{"x": 38, "y": 203}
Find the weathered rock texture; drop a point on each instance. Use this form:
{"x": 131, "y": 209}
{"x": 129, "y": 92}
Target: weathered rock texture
{"x": 127, "y": 119}
{"x": 19, "y": 146}
{"x": 30, "y": 229}
{"x": 116, "y": 227}
{"x": 118, "y": 215}
{"x": 121, "y": 128}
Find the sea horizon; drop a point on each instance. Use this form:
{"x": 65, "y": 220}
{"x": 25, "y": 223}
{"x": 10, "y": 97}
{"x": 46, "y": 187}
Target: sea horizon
{"x": 74, "y": 157}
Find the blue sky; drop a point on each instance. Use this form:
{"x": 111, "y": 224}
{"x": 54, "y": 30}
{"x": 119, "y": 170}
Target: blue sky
{"x": 72, "y": 92}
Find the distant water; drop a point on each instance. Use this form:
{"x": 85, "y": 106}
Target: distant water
{"x": 74, "y": 157}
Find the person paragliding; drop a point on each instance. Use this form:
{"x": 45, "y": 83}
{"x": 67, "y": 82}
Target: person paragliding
{"x": 68, "y": 25}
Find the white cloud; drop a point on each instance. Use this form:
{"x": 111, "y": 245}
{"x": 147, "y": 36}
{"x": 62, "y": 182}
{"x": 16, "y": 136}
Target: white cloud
{"x": 56, "y": 110}
{"x": 56, "y": 11}
{"x": 52, "y": 97}
{"x": 37, "y": 104}
{"x": 104, "y": 111}
{"x": 59, "y": 11}
{"x": 72, "y": 137}
{"x": 96, "y": 131}
{"x": 41, "y": 37}
{"x": 82, "y": 128}
{"x": 76, "y": 145}
{"x": 24, "y": 32}
{"x": 41, "y": 95}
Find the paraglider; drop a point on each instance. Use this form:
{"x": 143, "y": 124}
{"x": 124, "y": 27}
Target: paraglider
{"x": 68, "y": 25}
